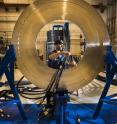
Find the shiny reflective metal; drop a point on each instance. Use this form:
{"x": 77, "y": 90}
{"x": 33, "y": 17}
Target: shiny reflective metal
{"x": 42, "y": 12}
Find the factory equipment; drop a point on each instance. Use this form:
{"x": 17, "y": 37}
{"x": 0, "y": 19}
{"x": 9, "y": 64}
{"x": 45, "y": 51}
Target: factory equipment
{"x": 24, "y": 38}
{"x": 58, "y": 32}
{"x": 26, "y": 30}
{"x": 7, "y": 67}
{"x": 55, "y": 34}
{"x": 56, "y": 97}
{"x": 111, "y": 70}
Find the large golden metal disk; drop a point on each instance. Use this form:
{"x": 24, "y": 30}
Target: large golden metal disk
{"x": 42, "y": 12}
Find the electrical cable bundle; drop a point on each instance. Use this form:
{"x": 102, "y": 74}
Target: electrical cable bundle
{"x": 25, "y": 91}
{"x": 51, "y": 90}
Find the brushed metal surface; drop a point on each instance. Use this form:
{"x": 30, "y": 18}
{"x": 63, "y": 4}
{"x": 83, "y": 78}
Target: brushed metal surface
{"x": 40, "y": 13}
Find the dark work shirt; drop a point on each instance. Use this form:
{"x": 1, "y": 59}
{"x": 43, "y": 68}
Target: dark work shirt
{"x": 55, "y": 63}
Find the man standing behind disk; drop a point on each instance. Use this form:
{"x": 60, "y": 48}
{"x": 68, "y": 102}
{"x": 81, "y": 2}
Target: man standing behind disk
{"x": 58, "y": 55}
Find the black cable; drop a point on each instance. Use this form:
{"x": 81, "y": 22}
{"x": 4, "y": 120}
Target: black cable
{"x": 31, "y": 90}
{"x": 28, "y": 89}
{"x": 22, "y": 90}
{"x": 59, "y": 75}
{"x": 5, "y": 94}
{"x": 19, "y": 82}
{"x": 31, "y": 93}
{"x": 50, "y": 86}
{"x": 30, "y": 97}
{"x": 54, "y": 80}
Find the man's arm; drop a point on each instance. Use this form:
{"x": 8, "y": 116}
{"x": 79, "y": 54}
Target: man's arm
{"x": 56, "y": 55}
{"x": 71, "y": 62}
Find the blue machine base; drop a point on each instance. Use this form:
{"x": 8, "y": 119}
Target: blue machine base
{"x": 107, "y": 115}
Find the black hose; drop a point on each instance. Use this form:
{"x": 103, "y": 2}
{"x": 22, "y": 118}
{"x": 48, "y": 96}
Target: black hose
{"x": 19, "y": 82}
{"x": 31, "y": 90}
{"x": 30, "y": 97}
{"x": 26, "y": 91}
{"x": 31, "y": 93}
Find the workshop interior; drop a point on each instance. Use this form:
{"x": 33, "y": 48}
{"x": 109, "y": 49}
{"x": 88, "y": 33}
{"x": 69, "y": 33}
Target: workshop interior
{"x": 58, "y": 61}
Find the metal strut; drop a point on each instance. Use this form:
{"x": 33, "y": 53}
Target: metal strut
{"x": 57, "y": 95}
{"x": 7, "y": 67}
{"x": 111, "y": 69}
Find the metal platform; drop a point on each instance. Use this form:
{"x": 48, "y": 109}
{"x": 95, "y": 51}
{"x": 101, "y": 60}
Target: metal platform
{"x": 107, "y": 116}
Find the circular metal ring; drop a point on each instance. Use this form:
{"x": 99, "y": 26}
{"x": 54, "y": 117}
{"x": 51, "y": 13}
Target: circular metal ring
{"x": 40, "y": 13}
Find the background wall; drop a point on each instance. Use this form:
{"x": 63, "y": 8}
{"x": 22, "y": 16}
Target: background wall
{"x": 10, "y": 10}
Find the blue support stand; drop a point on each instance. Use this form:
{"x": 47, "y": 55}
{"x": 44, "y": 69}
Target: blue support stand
{"x": 61, "y": 99}
{"x": 111, "y": 69}
{"x": 7, "y": 67}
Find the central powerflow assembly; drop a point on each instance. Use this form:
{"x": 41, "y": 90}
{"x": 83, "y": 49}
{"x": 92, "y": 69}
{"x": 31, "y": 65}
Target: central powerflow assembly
{"x": 58, "y": 83}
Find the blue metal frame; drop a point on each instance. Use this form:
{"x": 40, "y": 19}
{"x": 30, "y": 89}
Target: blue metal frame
{"x": 7, "y": 67}
{"x": 61, "y": 99}
{"x": 67, "y": 35}
{"x": 111, "y": 69}
{"x": 58, "y": 28}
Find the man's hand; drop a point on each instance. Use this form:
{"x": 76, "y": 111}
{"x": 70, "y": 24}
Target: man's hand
{"x": 55, "y": 55}
{"x": 73, "y": 64}
{"x": 65, "y": 53}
